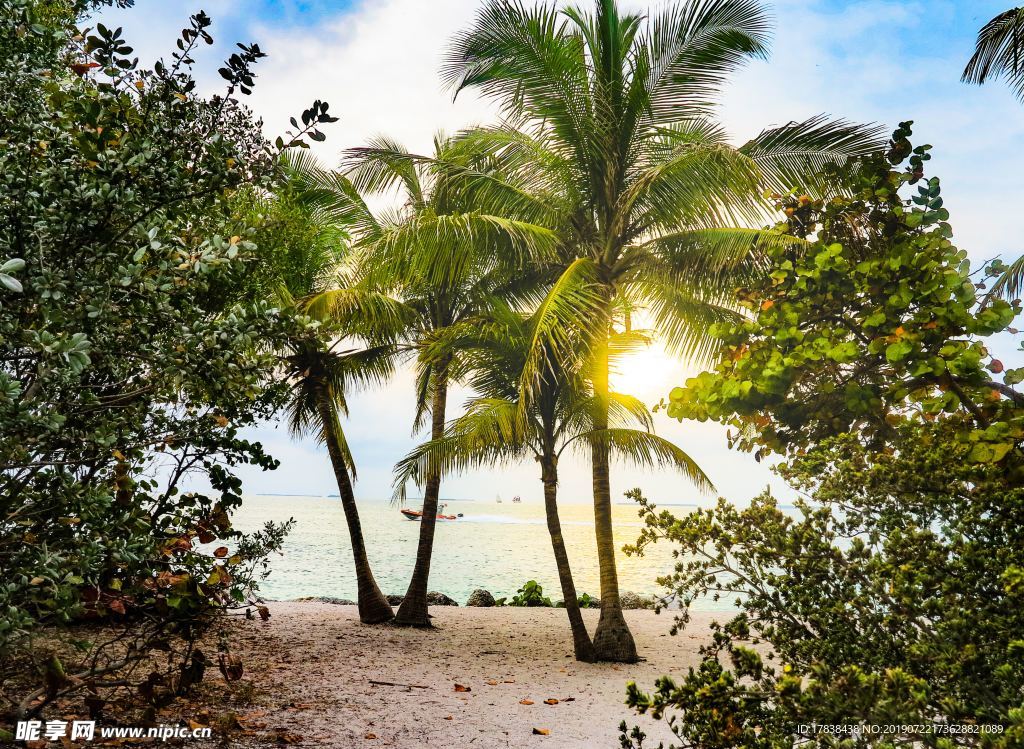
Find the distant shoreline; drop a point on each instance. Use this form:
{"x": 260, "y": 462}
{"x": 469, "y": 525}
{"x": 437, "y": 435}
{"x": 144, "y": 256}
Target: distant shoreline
{"x": 473, "y": 501}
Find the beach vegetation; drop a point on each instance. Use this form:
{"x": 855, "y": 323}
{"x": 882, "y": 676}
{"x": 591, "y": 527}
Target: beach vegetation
{"x": 884, "y": 600}
{"x": 129, "y": 364}
{"x": 609, "y": 119}
{"x": 446, "y": 258}
{"x": 998, "y": 53}
{"x": 530, "y": 595}
{"x": 504, "y": 423}
{"x": 301, "y": 228}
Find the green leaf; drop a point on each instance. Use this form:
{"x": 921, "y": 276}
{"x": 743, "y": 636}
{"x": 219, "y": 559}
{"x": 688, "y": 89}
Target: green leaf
{"x": 11, "y": 283}
{"x": 898, "y": 351}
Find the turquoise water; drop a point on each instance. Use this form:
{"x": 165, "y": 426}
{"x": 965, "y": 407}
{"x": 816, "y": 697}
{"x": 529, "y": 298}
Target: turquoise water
{"x": 493, "y": 546}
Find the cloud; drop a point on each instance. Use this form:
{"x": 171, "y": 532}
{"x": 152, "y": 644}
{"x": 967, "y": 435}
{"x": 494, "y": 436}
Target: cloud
{"x": 377, "y": 66}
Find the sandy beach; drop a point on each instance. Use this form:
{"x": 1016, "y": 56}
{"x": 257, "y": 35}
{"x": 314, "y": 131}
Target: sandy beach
{"x": 318, "y": 676}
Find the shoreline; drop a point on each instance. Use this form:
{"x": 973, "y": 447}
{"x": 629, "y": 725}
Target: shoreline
{"x": 321, "y": 678}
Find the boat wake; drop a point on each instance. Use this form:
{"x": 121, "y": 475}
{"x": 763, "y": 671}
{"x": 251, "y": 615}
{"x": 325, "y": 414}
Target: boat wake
{"x": 506, "y": 520}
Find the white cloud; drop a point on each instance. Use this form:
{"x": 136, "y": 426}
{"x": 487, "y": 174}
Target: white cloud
{"x": 377, "y": 67}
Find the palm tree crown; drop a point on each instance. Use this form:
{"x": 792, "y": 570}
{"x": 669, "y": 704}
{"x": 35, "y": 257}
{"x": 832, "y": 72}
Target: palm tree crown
{"x": 611, "y": 136}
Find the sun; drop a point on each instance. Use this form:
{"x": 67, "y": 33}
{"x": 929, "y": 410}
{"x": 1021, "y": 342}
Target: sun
{"x": 648, "y": 373}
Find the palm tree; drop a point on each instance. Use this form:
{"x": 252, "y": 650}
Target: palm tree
{"x": 999, "y": 51}
{"x": 445, "y": 260}
{"x": 319, "y": 376}
{"x": 610, "y": 125}
{"x": 500, "y": 425}
{"x": 305, "y": 225}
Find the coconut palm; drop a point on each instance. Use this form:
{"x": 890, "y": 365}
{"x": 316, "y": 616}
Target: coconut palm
{"x": 445, "y": 260}
{"x": 502, "y": 425}
{"x": 609, "y": 126}
{"x": 319, "y": 374}
{"x": 999, "y": 52}
{"x": 308, "y": 224}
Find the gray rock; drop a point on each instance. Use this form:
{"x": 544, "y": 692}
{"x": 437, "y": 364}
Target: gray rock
{"x": 328, "y": 599}
{"x": 631, "y": 600}
{"x": 395, "y": 600}
{"x": 480, "y": 597}
{"x": 440, "y": 599}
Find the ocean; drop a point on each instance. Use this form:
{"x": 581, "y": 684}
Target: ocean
{"x": 495, "y": 546}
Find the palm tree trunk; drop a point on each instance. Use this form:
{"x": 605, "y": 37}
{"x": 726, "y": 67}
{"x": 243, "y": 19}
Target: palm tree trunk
{"x": 582, "y": 647}
{"x": 413, "y": 611}
{"x": 373, "y": 606}
{"x": 612, "y": 639}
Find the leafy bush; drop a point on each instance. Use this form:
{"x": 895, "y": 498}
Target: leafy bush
{"x": 531, "y": 594}
{"x": 586, "y": 601}
{"x": 890, "y": 596}
{"x": 128, "y": 364}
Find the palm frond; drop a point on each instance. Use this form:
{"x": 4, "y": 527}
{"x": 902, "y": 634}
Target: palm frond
{"x": 562, "y": 323}
{"x": 999, "y": 51}
{"x": 529, "y": 60}
{"x": 697, "y": 182}
{"x": 691, "y": 48}
{"x": 491, "y": 431}
{"x": 684, "y": 314}
{"x": 720, "y": 257}
{"x": 650, "y": 451}
{"x": 793, "y": 155}
{"x": 382, "y": 165}
{"x": 360, "y": 311}
{"x": 1010, "y": 284}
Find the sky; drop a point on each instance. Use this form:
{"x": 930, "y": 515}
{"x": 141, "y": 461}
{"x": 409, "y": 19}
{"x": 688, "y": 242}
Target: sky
{"x": 376, "y": 62}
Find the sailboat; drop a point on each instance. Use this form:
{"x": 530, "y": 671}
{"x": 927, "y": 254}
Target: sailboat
{"x": 498, "y": 499}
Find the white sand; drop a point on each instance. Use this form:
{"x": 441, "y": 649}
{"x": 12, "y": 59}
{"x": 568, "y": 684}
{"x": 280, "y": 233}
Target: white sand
{"x": 314, "y": 663}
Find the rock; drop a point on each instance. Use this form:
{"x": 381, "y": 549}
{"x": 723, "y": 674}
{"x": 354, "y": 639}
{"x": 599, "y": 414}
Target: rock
{"x": 480, "y": 597}
{"x": 328, "y": 599}
{"x": 440, "y": 599}
{"x": 395, "y": 600}
{"x": 631, "y": 600}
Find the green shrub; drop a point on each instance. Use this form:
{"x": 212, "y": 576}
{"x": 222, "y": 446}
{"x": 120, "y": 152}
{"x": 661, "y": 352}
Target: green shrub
{"x": 885, "y": 606}
{"x": 128, "y": 364}
{"x": 531, "y": 594}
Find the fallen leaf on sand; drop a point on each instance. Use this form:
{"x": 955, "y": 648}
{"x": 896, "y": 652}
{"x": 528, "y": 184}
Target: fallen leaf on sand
{"x": 462, "y": 688}
{"x": 492, "y": 683}
{"x": 551, "y": 701}
{"x": 371, "y": 736}
{"x": 288, "y": 738}
{"x": 448, "y": 717}
{"x": 568, "y": 699}
{"x": 510, "y": 681}
{"x": 525, "y": 702}
{"x": 541, "y": 731}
